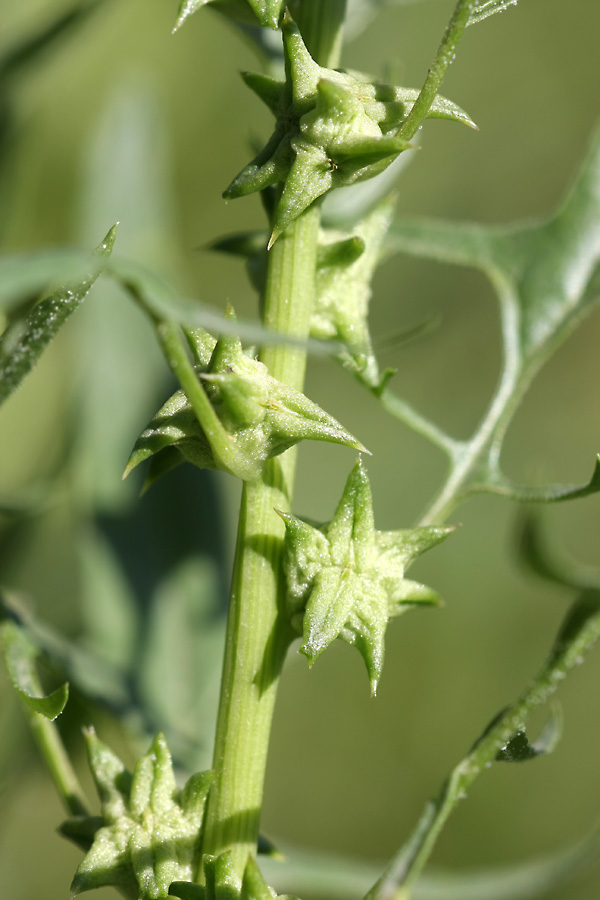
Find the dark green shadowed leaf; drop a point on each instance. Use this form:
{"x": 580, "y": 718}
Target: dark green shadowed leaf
{"x": 487, "y": 8}
{"x": 24, "y": 341}
{"x": 520, "y": 749}
{"x": 20, "y": 655}
{"x": 186, "y": 890}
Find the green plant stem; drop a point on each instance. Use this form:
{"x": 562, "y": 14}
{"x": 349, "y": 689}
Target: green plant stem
{"x": 258, "y": 634}
{"x": 577, "y": 635}
{"x": 443, "y": 58}
{"x": 404, "y": 412}
{"x": 322, "y": 24}
{"x": 56, "y": 758}
{"x": 467, "y": 456}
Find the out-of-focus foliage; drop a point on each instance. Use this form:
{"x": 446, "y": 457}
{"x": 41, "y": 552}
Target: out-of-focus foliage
{"x": 86, "y": 548}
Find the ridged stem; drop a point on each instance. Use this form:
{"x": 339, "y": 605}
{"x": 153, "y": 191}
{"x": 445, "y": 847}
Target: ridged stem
{"x": 258, "y": 634}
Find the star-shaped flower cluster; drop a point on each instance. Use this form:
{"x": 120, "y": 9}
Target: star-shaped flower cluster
{"x": 149, "y": 831}
{"x": 346, "y": 579}
{"x": 333, "y": 128}
{"x": 261, "y": 416}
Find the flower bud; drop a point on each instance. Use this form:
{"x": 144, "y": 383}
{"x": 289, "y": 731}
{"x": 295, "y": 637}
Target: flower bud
{"x": 261, "y": 418}
{"x": 345, "y": 579}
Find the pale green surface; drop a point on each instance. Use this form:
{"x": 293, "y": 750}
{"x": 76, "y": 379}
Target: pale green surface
{"x": 348, "y": 773}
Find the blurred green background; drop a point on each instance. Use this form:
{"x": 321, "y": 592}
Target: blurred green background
{"x": 121, "y": 121}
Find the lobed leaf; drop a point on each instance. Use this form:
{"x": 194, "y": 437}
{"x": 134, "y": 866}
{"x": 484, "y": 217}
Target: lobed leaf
{"x": 541, "y": 271}
{"x": 546, "y": 276}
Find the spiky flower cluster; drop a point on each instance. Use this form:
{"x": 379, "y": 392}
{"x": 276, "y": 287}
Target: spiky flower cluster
{"x": 345, "y": 579}
{"x": 260, "y": 415}
{"x": 149, "y": 830}
{"x": 333, "y": 128}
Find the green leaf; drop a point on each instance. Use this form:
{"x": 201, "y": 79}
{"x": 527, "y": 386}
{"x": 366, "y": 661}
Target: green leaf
{"x": 541, "y": 270}
{"x": 24, "y": 341}
{"x": 549, "y": 493}
{"x": 545, "y": 274}
{"x": 489, "y": 8}
{"x": 345, "y": 580}
{"x": 179, "y": 666}
{"x": 81, "y": 830}
{"x": 20, "y": 655}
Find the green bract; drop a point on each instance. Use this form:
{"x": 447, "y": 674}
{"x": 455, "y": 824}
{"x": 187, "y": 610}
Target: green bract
{"x": 221, "y": 882}
{"x": 333, "y": 128}
{"x": 150, "y": 831}
{"x": 260, "y": 417}
{"x": 345, "y": 268}
{"x": 346, "y": 579}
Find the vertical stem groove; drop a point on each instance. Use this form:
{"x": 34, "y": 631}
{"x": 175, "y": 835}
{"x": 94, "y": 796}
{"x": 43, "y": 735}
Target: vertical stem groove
{"x": 258, "y": 634}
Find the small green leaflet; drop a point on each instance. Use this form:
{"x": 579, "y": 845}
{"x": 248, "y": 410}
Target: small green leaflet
{"x": 24, "y": 341}
{"x": 20, "y": 655}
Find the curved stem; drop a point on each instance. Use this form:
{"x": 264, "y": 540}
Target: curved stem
{"x": 443, "y": 58}
{"x": 404, "y": 412}
{"x": 579, "y": 632}
{"x": 470, "y": 454}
